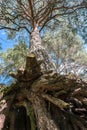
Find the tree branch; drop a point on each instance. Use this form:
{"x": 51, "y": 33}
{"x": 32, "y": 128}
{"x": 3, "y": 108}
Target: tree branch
{"x": 20, "y": 26}
{"x": 15, "y": 29}
{"x": 25, "y": 11}
{"x": 9, "y": 28}
{"x": 31, "y": 9}
{"x": 58, "y": 102}
{"x": 70, "y": 10}
{"x": 45, "y": 13}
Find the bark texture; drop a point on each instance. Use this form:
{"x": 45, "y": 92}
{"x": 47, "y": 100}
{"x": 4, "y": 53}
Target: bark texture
{"x": 44, "y": 121}
{"x": 39, "y": 50}
{"x": 43, "y": 101}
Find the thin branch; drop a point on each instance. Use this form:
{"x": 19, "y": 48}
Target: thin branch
{"x": 31, "y": 7}
{"x": 19, "y": 25}
{"x": 65, "y": 13}
{"x": 44, "y": 24}
{"x": 26, "y": 11}
{"x": 39, "y": 13}
{"x": 14, "y": 22}
{"x": 15, "y": 29}
{"x": 60, "y": 14}
{"x": 9, "y": 28}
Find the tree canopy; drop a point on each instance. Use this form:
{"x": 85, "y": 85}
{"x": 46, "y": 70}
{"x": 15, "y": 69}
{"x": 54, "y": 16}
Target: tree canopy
{"x": 67, "y": 50}
{"x": 16, "y": 15}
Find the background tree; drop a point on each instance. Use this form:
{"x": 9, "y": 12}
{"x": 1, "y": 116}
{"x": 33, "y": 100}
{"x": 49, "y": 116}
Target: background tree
{"x": 79, "y": 23}
{"x": 67, "y": 50}
{"x": 12, "y": 60}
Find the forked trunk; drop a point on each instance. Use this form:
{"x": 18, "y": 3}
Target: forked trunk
{"x": 37, "y": 48}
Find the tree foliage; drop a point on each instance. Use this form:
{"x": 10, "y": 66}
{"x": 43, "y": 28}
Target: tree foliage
{"x": 78, "y": 22}
{"x": 14, "y": 58}
{"x": 67, "y": 50}
{"x": 26, "y": 14}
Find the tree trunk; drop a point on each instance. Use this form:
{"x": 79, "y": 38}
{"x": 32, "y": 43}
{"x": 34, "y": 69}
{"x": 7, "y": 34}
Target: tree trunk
{"x": 46, "y": 103}
{"x": 43, "y": 101}
{"x": 44, "y": 121}
{"x": 41, "y": 54}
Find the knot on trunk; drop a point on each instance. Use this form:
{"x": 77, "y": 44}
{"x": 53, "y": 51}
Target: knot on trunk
{"x": 31, "y": 72}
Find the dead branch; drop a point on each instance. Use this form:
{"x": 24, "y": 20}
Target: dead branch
{"x": 58, "y": 102}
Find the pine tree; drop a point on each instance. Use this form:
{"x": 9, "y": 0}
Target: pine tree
{"x": 40, "y": 99}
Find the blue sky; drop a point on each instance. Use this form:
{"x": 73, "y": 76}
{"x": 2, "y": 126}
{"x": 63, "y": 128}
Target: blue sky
{"x": 7, "y": 43}
{"x": 4, "y": 41}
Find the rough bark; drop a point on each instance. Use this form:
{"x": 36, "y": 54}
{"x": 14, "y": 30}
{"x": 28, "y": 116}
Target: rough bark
{"x": 39, "y": 50}
{"x": 43, "y": 101}
{"x": 44, "y": 121}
